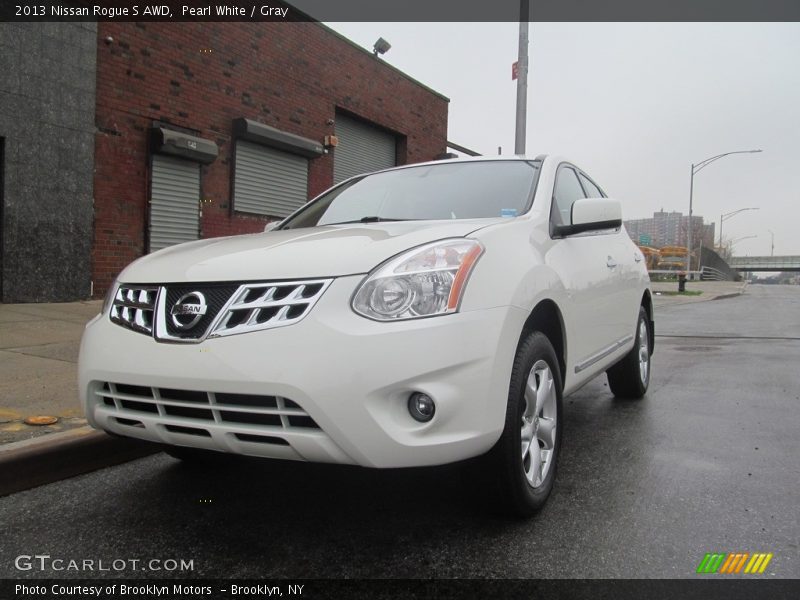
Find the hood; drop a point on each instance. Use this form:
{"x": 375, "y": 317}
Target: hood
{"x": 328, "y": 251}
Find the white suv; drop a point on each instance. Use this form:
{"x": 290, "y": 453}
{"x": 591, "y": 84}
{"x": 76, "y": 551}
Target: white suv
{"x": 416, "y": 316}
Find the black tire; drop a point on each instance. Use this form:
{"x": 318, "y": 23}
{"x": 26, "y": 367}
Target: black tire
{"x": 515, "y": 493}
{"x": 629, "y": 378}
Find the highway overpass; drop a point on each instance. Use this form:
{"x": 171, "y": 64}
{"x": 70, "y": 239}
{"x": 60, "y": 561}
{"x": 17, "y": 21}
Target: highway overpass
{"x": 765, "y": 263}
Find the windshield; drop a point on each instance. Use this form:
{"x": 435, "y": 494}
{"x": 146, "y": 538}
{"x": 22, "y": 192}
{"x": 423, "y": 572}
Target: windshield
{"x": 465, "y": 190}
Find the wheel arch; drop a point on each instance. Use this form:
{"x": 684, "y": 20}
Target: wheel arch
{"x": 547, "y": 318}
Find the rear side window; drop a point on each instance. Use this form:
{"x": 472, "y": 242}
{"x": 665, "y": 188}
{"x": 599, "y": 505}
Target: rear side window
{"x": 567, "y": 190}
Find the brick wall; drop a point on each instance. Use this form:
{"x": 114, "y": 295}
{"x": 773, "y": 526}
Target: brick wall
{"x": 201, "y": 76}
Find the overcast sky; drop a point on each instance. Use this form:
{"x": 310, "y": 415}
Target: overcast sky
{"x": 634, "y": 105}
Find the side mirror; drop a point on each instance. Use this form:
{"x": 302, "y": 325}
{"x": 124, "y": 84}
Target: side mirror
{"x": 271, "y": 225}
{"x": 592, "y": 214}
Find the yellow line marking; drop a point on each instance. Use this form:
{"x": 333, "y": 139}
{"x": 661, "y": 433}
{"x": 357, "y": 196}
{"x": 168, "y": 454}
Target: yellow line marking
{"x": 751, "y": 563}
{"x": 13, "y": 427}
{"x": 767, "y": 558}
{"x": 757, "y": 564}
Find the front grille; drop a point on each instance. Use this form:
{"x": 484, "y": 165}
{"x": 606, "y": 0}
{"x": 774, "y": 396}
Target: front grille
{"x": 183, "y": 410}
{"x": 134, "y": 307}
{"x": 269, "y": 305}
{"x": 193, "y": 312}
{"x": 215, "y": 297}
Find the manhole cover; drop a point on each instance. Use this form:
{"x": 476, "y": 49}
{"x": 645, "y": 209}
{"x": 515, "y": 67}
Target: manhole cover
{"x": 41, "y": 420}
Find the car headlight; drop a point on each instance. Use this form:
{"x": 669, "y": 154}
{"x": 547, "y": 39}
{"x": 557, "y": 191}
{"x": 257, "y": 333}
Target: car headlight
{"x": 422, "y": 282}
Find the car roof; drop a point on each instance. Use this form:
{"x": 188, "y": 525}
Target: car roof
{"x": 462, "y": 159}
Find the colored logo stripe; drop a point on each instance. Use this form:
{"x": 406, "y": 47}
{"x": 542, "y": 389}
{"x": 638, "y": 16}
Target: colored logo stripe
{"x": 734, "y": 562}
{"x": 758, "y": 563}
{"x": 710, "y": 563}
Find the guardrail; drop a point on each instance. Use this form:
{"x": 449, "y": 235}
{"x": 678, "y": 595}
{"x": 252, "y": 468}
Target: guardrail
{"x": 712, "y": 274}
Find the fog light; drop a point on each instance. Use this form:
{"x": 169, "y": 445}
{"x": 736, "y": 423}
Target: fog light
{"x": 421, "y": 407}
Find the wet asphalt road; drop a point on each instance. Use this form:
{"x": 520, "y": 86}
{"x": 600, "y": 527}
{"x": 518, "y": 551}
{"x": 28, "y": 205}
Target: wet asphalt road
{"x": 707, "y": 462}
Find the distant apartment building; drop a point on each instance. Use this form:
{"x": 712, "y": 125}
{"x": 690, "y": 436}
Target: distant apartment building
{"x": 669, "y": 229}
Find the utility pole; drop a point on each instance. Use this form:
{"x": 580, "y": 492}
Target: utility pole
{"x": 696, "y": 168}
{"x": 689, "y": 228}
{"x": 522, "y": 78}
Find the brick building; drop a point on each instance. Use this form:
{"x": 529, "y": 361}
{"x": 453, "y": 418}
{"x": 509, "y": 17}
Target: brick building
{"x": 199, "y": 130}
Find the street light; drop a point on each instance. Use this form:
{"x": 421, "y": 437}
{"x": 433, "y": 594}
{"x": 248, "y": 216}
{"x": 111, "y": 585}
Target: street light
{"x": 772, "y": 244}
{"x": 728, "y": 216}
{"x": 739, "y": 239}
{"x": 696, "y": 168}
{"x": 728, "y": 253}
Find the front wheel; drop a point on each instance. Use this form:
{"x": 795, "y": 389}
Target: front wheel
{"x": 630, "y": 377}
{"x": 525, "y": 457}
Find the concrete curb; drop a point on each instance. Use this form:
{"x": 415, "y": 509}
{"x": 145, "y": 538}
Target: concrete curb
{"x": 742, "y": 289}
{"x": 705, "y": 297}
{"x": 42, "y": 460}
{"x": 723, "y": 296}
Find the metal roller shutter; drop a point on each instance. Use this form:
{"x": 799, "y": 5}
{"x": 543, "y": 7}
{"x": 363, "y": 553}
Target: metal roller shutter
{"x": 362, "y": 148}
{"x": 269, "y": 181}
{"x": 174, "y": 202}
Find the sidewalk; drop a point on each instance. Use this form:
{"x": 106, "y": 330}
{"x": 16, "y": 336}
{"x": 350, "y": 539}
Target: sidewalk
{"x": 38, "y": 375}
{"x": 665, "y": 292}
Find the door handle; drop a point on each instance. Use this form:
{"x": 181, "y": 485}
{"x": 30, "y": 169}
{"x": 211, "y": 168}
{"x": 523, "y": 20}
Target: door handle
{"x": 610, "y": 262}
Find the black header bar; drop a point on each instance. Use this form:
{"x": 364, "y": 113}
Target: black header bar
{"x": 402, "y": 10}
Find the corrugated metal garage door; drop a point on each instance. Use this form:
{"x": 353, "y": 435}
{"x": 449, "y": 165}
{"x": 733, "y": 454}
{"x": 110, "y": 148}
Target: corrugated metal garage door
{"x": 174, "y": 202}
{"x": 362, "y": 148}
{"x": 269, "y": 181}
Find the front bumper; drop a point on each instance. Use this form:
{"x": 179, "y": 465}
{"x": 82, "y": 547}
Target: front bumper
{"x": 350, "y": 377}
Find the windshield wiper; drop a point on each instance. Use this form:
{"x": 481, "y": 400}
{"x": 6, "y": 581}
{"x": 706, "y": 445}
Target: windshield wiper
{"x": 366, "y": 220}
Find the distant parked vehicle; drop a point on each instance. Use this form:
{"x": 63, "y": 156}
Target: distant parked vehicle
{"x": 673, "y": 258}
{"x": 652, "y": 257}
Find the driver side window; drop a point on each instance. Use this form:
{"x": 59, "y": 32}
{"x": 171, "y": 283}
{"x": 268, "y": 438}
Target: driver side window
{"x": 566, "y": 191}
